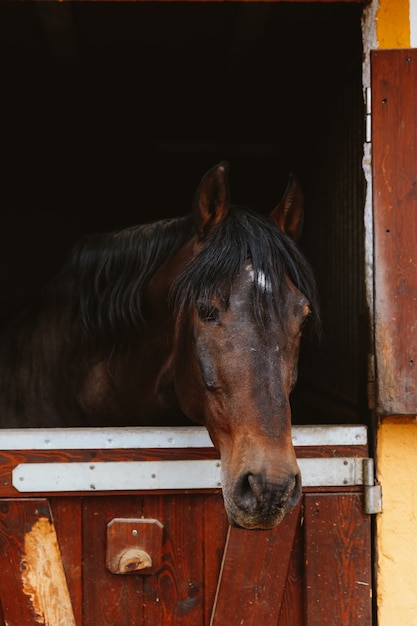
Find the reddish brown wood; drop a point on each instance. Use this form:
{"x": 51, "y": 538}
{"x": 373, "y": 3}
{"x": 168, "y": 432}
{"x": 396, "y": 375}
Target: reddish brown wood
{"x": 14, "y": 520}
{"x": 338, "y": 584}
{"x": 134, "y": 545}
{"x": 292, "y": 605}
{"x": 215, "y": 532}
{"x": 32, "y": 582}
{"x": 254, "y": 573}
{"x": 394, "y": 150}
{"x": 263, "y": 580}
{"x": 177, "y": 593}
{"x": 181, "y": 581}
{"x": 66, "y": 514}
{"x": 108, "y": 599}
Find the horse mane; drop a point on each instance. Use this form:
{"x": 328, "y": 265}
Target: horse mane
{"x": 108, "y": 274}
{"x": 99, "y": 292}
{"x": 242, "y": 235}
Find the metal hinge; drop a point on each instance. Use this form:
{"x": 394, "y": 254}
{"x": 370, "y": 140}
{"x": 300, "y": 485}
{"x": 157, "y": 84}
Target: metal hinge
{"x": 371, "y": 488}
{"x": 368, "y": 133}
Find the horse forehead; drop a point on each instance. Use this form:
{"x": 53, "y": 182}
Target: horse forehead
{"x": 297, "y": 298}
{"x": 258, "y": 277}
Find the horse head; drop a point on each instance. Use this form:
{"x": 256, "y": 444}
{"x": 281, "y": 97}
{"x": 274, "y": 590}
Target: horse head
{"x": 236, "y": 342}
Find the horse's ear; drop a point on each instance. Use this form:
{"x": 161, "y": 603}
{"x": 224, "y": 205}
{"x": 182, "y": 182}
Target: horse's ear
{"x": 288, "y": 214}
{"x": 212, "y": 199}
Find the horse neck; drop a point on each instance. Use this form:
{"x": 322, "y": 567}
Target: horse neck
{"x": 35, "y": 371}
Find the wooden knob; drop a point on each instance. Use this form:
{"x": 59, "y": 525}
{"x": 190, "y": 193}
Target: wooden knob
{"x": 131, "y": 560}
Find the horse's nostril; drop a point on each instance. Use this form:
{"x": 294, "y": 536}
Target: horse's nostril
{"x": 256, "y": 485}
{"x": 247, "y": 491}
{"x": 255, "y": 492}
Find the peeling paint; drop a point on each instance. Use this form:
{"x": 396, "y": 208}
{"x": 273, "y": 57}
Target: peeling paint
{"x": 43, "y": 576}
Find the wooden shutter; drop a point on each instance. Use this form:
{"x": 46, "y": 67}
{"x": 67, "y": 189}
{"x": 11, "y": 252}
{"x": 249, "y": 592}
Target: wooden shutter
{"x": 394, "y": 169}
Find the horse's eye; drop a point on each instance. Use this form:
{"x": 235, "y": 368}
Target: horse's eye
{"x": 208, "y": 313}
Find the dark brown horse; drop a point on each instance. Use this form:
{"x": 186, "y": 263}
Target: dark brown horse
{"x": 199, "y": 316}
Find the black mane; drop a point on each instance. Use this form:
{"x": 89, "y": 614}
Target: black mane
{"x": 244, "y": 235}
{"x": 103, "y": 282}
{"x": 109, "y": 272}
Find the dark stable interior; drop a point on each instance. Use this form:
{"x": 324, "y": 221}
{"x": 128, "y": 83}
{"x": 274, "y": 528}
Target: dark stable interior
{"x": 112, "y": 112}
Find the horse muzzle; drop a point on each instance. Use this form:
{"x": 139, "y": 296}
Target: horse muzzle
{"x": 257, "y": 502}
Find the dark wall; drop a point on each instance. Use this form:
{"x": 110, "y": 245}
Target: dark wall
{"x": 113, "y": 111}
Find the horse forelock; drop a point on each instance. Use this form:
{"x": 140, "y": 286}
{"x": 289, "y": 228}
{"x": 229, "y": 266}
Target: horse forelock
{"x": 245, "y": 236}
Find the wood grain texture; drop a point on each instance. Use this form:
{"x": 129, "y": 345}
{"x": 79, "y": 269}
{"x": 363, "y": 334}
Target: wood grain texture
{"x": 33, "y": 586}
{"x": 337, "y": 582}
{"x": 67, "y": 520}
{"x": 314, "y": 568}
{"x": 292, "y": 604}
{"x": 178, "y": 592}
{"x": 394, "y": 173}
{"x": 254, "y": 574}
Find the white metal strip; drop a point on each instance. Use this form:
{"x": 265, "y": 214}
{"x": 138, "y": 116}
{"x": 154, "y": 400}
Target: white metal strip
{"x": 179, "y": 437}
{"x": 154, "y": 475}
{"x": 115, "y": 476}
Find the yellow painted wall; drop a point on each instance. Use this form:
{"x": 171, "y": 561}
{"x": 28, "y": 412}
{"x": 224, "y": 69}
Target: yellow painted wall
{"x": 393, "y": 24}
{"x": 397, "y": 524}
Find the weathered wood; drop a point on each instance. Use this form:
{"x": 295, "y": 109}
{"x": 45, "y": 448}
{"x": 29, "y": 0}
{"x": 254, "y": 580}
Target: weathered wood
{"x": 337, "y": 583}
{"x": 261, "y": 578}
{"x": 108, "y": 598}
{"x": 68, "y": 525}
{"x": 33, "y": 586}
{"x": 9, "y": 459}
{"x": 215, "y": 529}
{"x": 394, "y": 173}
{"x": 292, "y": 604}
{"x": 254, "y": 573}
{"x": 191, "y": 553}
{"x": 134, "y": 546}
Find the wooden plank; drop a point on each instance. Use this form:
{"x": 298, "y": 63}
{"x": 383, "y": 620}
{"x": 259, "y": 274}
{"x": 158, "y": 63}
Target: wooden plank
{"x": 33, "y": 585}
{"x": 292, "y": 604}
{"x": 394, "y": 157}
{"x": 254, "y": 573}
{"x": 108, "y": 598}
{"x": 215, "y": 531}
{"x": 67, "y": 520}
{"x": 338, "y": 583}
{"x": 180, "y": 581}
{"x": 177, "y": 592}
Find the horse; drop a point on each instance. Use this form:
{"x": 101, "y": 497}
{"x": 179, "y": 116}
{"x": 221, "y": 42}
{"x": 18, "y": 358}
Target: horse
{"x": 197, "y": 318}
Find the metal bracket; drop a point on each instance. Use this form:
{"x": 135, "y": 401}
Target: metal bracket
{"x": 372, "y": 489}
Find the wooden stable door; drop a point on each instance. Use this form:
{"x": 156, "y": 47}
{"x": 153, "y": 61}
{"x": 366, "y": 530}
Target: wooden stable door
{"x": 80, "y": 557}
